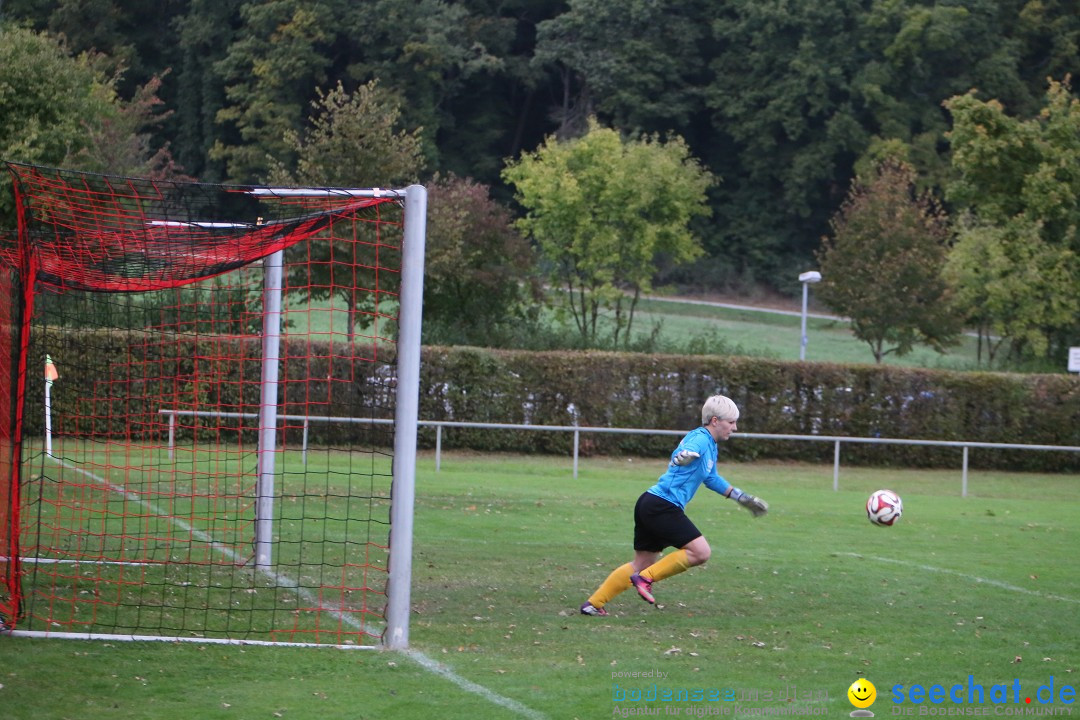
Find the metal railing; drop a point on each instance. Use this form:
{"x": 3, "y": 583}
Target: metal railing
{"x": 577, "y": 430}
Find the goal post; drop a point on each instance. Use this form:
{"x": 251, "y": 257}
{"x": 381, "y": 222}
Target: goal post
{"x": 407, "y": 420}
{"x": 195, "y": 327}
{"x": 268, "y": 420}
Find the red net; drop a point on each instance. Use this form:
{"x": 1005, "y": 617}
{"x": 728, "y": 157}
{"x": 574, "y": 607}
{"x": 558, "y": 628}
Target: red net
{"x": 129, "y": 235}
{"x": 143, "y": 464}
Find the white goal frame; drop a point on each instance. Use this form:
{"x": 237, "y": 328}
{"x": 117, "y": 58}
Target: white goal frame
{"x": 406, "y": 407}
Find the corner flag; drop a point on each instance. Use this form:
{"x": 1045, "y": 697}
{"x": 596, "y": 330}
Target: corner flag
{"x": 50, "y": 376}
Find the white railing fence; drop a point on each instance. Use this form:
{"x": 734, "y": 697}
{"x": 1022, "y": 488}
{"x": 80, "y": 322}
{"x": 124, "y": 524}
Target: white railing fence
{"x": 577, "y": 430}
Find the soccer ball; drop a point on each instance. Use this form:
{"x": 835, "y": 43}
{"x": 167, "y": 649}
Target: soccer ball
{"x": 884, "y": 507}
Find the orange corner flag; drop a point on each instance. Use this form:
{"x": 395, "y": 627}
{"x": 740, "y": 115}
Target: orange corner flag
{"x": 50, "y": 370}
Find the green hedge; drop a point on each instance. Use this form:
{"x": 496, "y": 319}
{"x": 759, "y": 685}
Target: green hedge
{"x": 113, "y": 384}
{"x": 666, "y": 391}
{"x": 102, "y": 375}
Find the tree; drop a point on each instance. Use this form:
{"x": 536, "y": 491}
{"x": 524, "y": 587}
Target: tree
{"x": 493, "y": 108}
{"x": 130, "y": 37}
{"x": 121, "y": 143}
{"x": 1017, "y": 256}
{"x": 782, "y": 98}
{"x": 603, "y": 210}
{"x": 354, "y": 141}
{"x": 882, "y": 266}
{"x": 1010, "y": 285}
{"x": 426, "y": 49}
{"x": 63, "y": 111}
{"x": 270, "y": 73}
{"x": 243, "y": 71}
{"x": 47, "y": 96}
{"x": 638, "y": 62}
{"x": 787, "y": 124}
{"x": 922, "y": 53}
{"x": 1049, "y": 35}
{"x": 480, "y": 280}
{"x": 204, "y": 34}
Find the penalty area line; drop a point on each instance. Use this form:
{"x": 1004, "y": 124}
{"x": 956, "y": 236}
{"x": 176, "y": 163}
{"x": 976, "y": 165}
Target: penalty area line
{"x": 468, "y": 685}
{"x": 973, "y": 578}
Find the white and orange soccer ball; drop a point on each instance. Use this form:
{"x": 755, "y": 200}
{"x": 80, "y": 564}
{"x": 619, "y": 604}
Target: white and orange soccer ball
{"x": 884, "y": 507}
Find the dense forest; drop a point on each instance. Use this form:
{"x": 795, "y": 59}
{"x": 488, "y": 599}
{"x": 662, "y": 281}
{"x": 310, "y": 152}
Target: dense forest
{"x": 785, "y": 102}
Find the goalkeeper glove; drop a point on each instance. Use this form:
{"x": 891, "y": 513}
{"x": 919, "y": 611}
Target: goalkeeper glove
{"x": 685, "y": 457}
{"x": 755, "y": 505}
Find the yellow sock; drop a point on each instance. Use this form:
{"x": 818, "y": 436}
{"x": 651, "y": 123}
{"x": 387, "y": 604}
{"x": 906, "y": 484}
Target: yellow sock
{"x": 671, "y": 564}
{"x": 616, "y": 582}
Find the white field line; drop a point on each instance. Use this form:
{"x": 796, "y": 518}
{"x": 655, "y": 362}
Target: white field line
{"x": 439, "y": 669}
{"x": 58, "y": 561}
{"x": 178, "y": 639}
{"x": 133, "y": 497}
{"x": 966, "y": 576}
{"x": 418, "y": 657}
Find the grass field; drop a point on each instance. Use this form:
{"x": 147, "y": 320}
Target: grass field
{"x": 671, "y": 325}
{"x": 799, "y": 603}
{"x": 129, "y": 539}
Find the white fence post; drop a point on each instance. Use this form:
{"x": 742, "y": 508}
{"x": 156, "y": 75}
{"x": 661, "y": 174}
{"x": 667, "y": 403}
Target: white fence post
{"x": 836, "y": 467}
{"x": 303, "y": 447}
{"x": 438, "y": 447}
{"x": 963, "y": 476}
{"x": 172, "y": 433}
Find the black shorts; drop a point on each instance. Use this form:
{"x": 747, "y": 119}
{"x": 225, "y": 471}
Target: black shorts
{"x": 659, "y": 524}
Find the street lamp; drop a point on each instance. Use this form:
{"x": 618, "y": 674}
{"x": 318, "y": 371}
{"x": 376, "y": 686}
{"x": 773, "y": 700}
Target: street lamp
{"x": 811, "y": 276}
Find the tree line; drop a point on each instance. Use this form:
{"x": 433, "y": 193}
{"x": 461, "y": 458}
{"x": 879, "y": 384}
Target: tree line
{"x": 786, "y": 117}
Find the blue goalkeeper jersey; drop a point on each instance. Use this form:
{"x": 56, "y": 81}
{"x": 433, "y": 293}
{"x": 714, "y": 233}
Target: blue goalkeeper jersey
{"x": 679, "y": 484}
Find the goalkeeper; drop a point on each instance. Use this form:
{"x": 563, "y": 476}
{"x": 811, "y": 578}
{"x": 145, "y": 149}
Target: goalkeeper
{"x": 659, "y": 520}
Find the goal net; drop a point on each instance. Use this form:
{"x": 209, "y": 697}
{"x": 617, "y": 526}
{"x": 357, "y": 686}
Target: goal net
{"x": 208, "y": 410}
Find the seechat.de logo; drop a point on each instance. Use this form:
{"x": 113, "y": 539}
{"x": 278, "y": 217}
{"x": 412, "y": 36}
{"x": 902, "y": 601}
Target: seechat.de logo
{"x": 862, "y": 694}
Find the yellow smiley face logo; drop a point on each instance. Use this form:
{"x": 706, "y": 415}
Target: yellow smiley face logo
{"x": 862, "y": 693}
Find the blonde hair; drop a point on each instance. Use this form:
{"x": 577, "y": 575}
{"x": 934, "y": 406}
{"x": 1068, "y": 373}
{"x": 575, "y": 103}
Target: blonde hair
{"x": 721, "y": 407}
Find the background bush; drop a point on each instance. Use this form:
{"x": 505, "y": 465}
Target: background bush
{"x": 604, "y": 389}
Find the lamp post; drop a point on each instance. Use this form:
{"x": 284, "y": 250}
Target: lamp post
{"x": 811, "y": 276}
